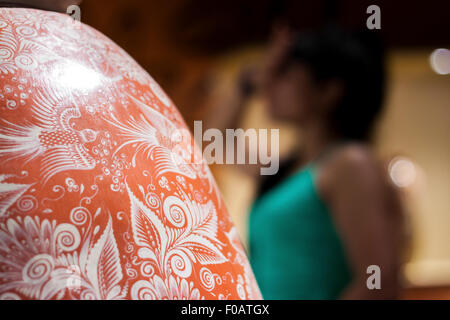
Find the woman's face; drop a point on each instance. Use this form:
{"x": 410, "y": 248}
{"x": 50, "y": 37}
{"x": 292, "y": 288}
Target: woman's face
{"x": 293, "y": 95}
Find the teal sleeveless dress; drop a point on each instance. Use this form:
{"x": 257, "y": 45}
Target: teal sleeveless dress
{"x": 294, "y": 249}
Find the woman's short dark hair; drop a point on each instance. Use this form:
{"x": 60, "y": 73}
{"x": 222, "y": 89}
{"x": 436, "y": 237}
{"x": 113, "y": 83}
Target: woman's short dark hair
{"x": 356, "y": 59}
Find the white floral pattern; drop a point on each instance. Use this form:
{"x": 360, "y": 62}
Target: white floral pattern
{"x": 188, "y": 236}
{"x": 170, "y": 289}
{"x": 38, "y": 259}
{"x": 157, "y": 137}
{"x": 99, "y": 194}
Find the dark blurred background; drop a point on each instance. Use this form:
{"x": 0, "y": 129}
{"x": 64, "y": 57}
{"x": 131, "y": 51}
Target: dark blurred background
{"x": 196, "y": 48}
{"x": 177, "y": 40}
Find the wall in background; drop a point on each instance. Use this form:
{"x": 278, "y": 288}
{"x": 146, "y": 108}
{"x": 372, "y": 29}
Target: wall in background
{"x": 416, "y": 125}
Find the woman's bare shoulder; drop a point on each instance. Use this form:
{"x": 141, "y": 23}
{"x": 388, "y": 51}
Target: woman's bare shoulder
{"x": 354, "y": 165}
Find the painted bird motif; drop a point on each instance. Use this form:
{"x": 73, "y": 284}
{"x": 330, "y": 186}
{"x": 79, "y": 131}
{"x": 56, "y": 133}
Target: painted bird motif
{"x": 50, "y": 136}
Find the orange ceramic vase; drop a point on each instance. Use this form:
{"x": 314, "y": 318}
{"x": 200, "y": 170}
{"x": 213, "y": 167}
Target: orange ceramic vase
{"x": 100, "y": 193}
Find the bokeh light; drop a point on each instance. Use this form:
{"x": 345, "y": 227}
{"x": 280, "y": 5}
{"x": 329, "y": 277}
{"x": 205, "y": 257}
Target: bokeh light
{"x": 440, "y": 61}
{"x": 402, "y": 171}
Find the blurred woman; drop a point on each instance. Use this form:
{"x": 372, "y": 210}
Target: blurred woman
{"x": 330, "y": 212}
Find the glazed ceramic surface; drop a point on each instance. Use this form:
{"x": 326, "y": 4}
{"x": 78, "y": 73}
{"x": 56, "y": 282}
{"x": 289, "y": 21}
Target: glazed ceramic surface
{"x": 100, "y": 197}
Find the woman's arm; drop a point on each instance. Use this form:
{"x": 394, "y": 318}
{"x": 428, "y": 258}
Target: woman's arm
{"x": 367, "y": 215}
